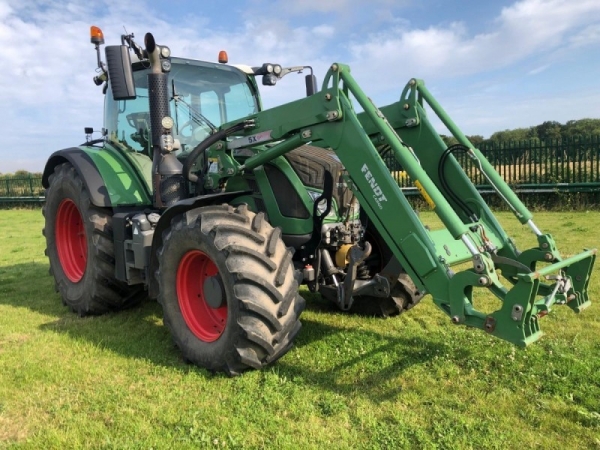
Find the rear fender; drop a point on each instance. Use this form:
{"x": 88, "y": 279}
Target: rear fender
{"x": 86, "y": 170}
{"x": 109, "y": 177}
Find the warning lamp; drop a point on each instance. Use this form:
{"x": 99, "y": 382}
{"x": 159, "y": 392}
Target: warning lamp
{"x": 96, "y": 35}
{"x": 223, "y": 59}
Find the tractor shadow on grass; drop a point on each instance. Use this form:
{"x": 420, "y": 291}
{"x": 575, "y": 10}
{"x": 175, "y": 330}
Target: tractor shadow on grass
{"x": 369, "y": 361}
{"x": 29, "y": 285}
{"x": 137, "y": 332}
{"x": 351, "y": 360}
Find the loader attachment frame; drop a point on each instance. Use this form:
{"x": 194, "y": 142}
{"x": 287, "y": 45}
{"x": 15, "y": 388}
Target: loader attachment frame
{"x": 526, "y": 288}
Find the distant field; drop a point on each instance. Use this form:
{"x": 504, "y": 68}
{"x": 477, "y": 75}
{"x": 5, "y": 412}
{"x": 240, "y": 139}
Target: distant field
{"x": 414, "y": 381}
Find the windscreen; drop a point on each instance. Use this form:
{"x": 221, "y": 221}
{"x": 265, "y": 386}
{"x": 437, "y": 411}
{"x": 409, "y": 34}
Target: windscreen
{"x": 202, "y": 97}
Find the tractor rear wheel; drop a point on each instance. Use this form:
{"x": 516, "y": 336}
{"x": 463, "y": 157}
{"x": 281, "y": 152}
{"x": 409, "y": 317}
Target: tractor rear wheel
{"x": 79, "y": 246}
{"x": 227, "y": 289}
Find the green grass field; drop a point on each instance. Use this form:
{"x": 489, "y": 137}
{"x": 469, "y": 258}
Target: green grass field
{"x": 414, "y": 381}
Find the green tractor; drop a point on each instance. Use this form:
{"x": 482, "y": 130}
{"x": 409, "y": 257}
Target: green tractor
{"x": 198, "y": 198}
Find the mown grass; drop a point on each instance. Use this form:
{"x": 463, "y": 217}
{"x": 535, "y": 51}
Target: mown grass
{"x": 414, "y": 381}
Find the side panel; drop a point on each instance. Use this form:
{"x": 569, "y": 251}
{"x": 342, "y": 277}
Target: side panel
{"x": 284, "y": 196}
{"x": 289, "y": 225}
{"x": 110, "y": 177}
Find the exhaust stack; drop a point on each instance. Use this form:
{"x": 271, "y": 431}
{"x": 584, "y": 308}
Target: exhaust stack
{"x": 168, "y": 183}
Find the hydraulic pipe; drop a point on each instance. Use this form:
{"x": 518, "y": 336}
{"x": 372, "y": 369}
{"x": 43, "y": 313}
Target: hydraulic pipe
{"x": 274, "y": 152}
{"x": 470, "y": 245}
{"x": 521, "y": 212}
{"x": 534, "y": 228}
{"x": 426, "y": 186}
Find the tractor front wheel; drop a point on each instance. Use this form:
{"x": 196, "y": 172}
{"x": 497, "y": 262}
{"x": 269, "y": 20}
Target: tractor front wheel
{"x": 227, "y": 289}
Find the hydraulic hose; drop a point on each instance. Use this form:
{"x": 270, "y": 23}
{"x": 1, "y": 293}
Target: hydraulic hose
{"x": 442, "y": 176}
{"x": 203, "y": 146}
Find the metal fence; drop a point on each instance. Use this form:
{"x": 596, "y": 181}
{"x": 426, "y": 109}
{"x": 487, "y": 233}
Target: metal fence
{"x": 21, "y": 189}
{"x": 567, "y": 165}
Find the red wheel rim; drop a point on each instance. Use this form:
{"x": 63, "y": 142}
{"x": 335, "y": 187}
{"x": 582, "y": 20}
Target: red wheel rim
{"x": 71, "y": 242}
{"x": 205, "y": 322}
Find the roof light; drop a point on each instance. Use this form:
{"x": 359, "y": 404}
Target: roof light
{"x": 96, "y": 35}
{"x": 223, "y": 58}
{"x": 165, "y": 51}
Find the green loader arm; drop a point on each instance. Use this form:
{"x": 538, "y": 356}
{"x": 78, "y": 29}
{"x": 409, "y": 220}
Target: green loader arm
{"x": 471, "y": 234}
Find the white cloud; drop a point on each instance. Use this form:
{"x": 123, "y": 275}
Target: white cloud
{"x": 538, "y": 69}
{"x": 323, "y": 31}
{"x": 304, "y": 7}
{"x": 521, "y": 31}
{"x": 587, "y": 37}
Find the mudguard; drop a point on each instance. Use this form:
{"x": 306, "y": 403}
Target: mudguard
{"x": 110, "y": 177}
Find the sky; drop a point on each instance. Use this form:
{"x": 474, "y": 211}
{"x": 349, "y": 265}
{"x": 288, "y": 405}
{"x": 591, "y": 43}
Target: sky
{"x": 493, "y": 65}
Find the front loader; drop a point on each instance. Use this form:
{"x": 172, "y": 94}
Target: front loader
{"x": 220, "y": 210}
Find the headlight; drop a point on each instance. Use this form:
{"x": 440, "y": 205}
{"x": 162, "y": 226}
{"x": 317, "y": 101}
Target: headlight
{"x": 165, "y": 52}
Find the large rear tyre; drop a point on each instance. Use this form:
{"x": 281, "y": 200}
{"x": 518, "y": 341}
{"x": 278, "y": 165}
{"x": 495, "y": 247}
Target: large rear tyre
{"x": 404, "y": 296}
{"x": 80, "y": 249}
{"x": 227, "y": 289}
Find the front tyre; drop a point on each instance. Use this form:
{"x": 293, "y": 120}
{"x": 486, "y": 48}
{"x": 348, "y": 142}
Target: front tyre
{"x": 227, "y": 289}
{"x": 80, "y": 248}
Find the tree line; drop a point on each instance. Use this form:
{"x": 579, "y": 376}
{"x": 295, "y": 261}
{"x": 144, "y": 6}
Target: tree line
{"x": 549, "y": 130}
{"x": 20, "y": 174}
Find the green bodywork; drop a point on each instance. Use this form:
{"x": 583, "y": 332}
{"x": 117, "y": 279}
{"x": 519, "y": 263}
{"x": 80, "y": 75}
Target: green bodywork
{"x": 327, "y": 119}
{"x": 126, "y": 174}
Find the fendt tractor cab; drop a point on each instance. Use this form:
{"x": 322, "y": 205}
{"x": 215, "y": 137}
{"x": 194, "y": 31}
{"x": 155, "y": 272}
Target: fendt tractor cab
{"x": 198, "y": 198}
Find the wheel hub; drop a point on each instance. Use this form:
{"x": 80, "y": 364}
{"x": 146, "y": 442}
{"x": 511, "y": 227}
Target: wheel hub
{"x": 71, "y": 242}
{"x": 201, "y": 296}
{"x": 214, "y": 293}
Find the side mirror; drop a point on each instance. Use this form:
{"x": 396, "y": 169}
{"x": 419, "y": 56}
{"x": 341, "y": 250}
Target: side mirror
{"x": 120, "y": 74}
{"x": 311, "y": 85}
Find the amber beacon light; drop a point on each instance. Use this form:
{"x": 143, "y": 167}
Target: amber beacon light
{"x": 96, "y": 35}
